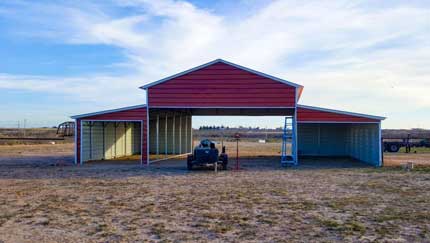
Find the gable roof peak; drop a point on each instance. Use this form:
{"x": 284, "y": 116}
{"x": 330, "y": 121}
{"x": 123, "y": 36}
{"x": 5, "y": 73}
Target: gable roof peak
{"x": 219, "y": 60}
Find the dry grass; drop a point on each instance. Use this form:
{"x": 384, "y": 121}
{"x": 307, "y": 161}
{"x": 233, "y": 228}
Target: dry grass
{"x": 396, "y": 159}
{"x": 121, "y": 203}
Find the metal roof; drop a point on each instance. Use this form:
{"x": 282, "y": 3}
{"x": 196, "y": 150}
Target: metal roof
{"x": 341, "y": 112}
{"x": 108, "y": 111}
{"x": 225, "y": 62}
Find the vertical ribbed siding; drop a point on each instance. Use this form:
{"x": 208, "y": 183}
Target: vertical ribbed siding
{"x": 136, "y": 115}
{"x": 221, "y": 85}
{"x": 117, "y": 139}
{"x": 364, "y": 142}
{"x": 322, "y": 139}
{"x": 359, "y": 141}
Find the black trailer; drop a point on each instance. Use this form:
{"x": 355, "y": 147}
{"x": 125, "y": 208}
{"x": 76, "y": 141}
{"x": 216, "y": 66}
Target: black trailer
{"x": 394, "y": 144}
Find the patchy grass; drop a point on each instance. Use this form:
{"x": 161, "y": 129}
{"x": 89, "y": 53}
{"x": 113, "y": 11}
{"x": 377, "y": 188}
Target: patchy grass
{"x": 123, "y": 203}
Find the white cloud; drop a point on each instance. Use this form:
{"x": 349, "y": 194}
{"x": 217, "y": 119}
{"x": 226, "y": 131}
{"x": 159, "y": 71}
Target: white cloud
{"x": 95, "y": 89}
{"x": 348, "y": 56}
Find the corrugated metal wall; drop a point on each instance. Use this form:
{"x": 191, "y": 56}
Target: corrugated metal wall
{"x": 109, "y": 140}
{"x": 363, "y": 142}
{"x": 221, "y": 85}
{"x": 322, "y": 139}
{"x": 134, "y": 115}
{"x": 359, "y": 141}
{"x": 177, "y": 137}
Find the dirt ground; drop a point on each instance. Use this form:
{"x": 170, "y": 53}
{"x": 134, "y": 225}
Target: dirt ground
{"x": 44, "y": 198}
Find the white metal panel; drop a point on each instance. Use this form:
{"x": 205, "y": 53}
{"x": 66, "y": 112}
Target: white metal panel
{"x": 322, "y": 139}
{"x": 97, "y": 141}
{"x": 152, "y": 136}
{"x": 120, "y": 139}
{"x": 162, "y": 135}
{"x": 170, "y": 135}
{"x": 85, "y": 143}
{"x": 308, "y": 139}
{"x": 333, "y": 140}
{"x": 364, "y": 143}
{"x": 177, "y": 135}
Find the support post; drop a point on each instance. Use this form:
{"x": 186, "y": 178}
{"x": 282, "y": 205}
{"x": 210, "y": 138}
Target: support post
{"x": 157, "y": 132}
{"x": 319, "y": 138}
{"x": 165, "y": 137}
{"x": 186, "y": 133}
{"x": 296, "y": 159}
{"x": 191, "y": 134}
{"x": 381, "y": 142}
{"x": 173, "y": 136}
{"x": 180, "y": 134}
{"x": 91, "y": 139}
{"x": 103, "y": 136}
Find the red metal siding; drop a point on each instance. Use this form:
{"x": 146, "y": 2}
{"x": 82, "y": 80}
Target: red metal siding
{"x": 138, "y": 114}
{"x": 310, "y": 115}
{"x": 221, "y": 85}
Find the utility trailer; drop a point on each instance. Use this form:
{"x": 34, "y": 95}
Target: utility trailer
{"x": 408, "y": 143}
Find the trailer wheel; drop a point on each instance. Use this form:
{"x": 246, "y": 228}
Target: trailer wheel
{"x": 224, "y": 159}
{"x": 394, "y": 148}
{"x": 190, "y": 162}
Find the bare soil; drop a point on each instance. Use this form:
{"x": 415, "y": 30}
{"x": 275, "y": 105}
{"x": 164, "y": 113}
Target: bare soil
{"x": 44, "y": 198}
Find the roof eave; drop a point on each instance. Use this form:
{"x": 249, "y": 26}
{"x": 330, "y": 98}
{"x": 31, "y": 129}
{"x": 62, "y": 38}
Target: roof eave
{"x": 381, "y": 118}
{"x": 108, "y": 111}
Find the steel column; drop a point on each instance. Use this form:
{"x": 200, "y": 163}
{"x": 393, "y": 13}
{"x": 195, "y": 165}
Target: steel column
{"x": 165, "y": 137}
{"x": 180, "y": 133}
{"x": 157, "y": 141}
{"x": 173, "y": 136}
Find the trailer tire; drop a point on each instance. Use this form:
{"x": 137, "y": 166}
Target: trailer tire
{"x": 224, "y": 159}
{"x": 394, "y": 148}
{"x": 190, "y": 162}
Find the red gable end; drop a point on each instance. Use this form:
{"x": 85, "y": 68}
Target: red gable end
{"x": 221, "y": 85}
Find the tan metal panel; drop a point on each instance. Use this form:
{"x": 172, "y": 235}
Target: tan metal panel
{"x": 109, "y": 140}
{"x": 120, "y": 140}
{"x": 128, "y": 139}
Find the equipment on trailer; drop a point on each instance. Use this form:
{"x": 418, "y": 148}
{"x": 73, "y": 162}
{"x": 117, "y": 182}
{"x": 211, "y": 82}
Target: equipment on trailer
{"x": 408, "y": 142}
{"x": 66, "y": 129}
{"x": 207, "y": 154}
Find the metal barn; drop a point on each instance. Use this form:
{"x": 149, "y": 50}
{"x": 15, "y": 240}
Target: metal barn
{"x": 162, "y": 128}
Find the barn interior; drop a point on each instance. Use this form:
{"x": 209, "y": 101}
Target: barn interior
{"x": 170, "y": 129}
{"x": 118, "y": 141}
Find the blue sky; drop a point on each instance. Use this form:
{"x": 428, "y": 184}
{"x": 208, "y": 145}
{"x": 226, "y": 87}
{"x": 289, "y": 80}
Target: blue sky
{"x": 61, "y": 58}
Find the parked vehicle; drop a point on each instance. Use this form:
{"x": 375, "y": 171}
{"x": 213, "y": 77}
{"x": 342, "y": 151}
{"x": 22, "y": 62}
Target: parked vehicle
{"x": 207, "y": 154}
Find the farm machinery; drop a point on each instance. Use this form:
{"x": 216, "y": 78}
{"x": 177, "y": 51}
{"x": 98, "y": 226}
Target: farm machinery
{"x": 207, "y": 154}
